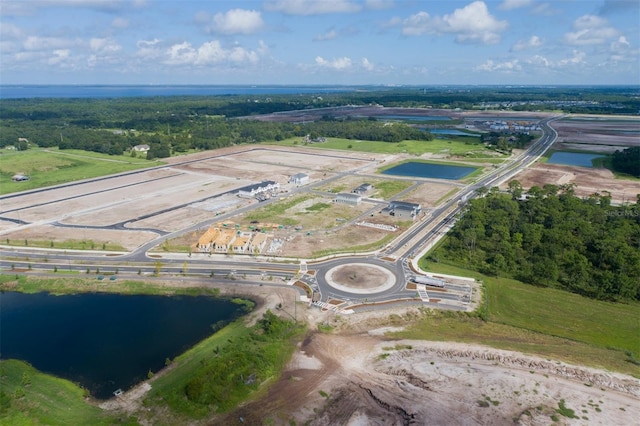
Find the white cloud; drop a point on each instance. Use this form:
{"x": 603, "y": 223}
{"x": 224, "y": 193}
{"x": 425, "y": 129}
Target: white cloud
{"x": 367, "y": 65}
{"x": 514, "y": 4}
{"x": 8, "y": 30}
{"x": 46, "y": 43}
{"x": 104, "y": 45}
{"x": 471, "y": 24}
{"x": 59, "y": 57}
{"x": 506, "y": 66}
{"x": 208, "y": 53}
{"x": 312, "y": 7}
{"x": 576, "y": 59}
{"x": 532, "y": 43}
{"x": 336, "y": 64}
{"x": 590, "y": 30}
{"x": 237, "y": 21}
{"x": 329, "y": 35}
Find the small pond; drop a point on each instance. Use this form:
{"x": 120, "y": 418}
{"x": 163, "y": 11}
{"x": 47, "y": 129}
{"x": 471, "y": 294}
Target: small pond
{"x": 429, "y": 170}
{"x": 582, "y": 159}
{"x": 105, "y": 342}
{"x": 413, "y": 117}
{"x": 452, "y": 132}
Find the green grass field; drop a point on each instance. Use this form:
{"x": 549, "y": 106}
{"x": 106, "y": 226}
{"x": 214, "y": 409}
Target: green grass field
{"x": 29, "y": 397}
{"x": 53, "y": 167}
{"x": 545, "y": 321}
{"x": 463, "y": 146}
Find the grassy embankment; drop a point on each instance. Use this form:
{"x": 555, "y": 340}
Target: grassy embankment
{"x": 52, "y": 167}
{"x": 66, "y": 244}
{"x": 29, "y": 397}
{"x": 213, "y": 376}
{"x": 542, "y": 321}
{"x": 224, "y": 370}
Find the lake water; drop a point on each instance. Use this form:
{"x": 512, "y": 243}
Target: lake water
{"x": 412, "y": 117}
{"x": 429, "y": 170}
{"x": 453, "y": 132}
{"x": 581, "y": 159}
{"x": 105, "y": 341}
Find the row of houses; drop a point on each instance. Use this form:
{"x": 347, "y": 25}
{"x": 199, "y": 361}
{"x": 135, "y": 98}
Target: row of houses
{"x": 225, "y": 240}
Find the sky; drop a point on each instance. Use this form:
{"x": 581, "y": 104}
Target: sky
{"x": 329, "y": 42}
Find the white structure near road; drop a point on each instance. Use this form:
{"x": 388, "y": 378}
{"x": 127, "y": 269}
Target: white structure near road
{"x": 348, "y": 198}
{"x": 299, "y": 179}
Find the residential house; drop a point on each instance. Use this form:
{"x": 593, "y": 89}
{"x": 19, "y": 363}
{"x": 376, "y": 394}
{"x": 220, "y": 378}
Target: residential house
{"x": 299, "y": 179}
{"x": 348, "y": 198}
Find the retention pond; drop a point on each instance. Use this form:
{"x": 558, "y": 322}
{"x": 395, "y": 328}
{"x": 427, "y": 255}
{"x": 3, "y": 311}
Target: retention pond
{"x": 106, "y": 342}
{"x": 582, "y": 159}
{"x": 429, "y": 170}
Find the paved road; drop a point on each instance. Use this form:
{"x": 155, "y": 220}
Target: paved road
{"x": 268, "y": 271}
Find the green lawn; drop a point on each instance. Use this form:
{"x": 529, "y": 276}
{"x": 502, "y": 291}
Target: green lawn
{"x": 463, "y": 146}
{"x": 53, "y": 167}
{"x": 29, "y": 397}
{"x": 550, "y": 322}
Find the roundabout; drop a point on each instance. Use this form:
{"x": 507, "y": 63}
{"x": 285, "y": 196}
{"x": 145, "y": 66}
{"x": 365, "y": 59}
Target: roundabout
{"x": 360, "y": 278}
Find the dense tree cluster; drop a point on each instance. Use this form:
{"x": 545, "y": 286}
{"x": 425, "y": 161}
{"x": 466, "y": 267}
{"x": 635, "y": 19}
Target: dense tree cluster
{"x": 627, "y": 161}
{"x": 550, "y": 237}
{"x": 506, "y": 142}
{"x": 171, "y": 125}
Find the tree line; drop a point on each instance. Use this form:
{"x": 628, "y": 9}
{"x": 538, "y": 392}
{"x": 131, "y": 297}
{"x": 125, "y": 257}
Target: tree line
{"x": 550, "y": 237}
{"x": 627, "y": 161}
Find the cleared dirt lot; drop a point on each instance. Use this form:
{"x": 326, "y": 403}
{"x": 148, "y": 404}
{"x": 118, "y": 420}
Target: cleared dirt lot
{"x": 356, "y": 376}
{"x": 167, "y": 199}
{"x": 587, "y": 180}
{"x": 597, "y": 133}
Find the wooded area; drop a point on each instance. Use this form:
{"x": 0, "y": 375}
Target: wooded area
{"x": 627, "y": 161}
{"x": 549, "y": 237}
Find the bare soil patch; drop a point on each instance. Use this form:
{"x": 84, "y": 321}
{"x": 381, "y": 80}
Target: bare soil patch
{"x": 359, "y": 377}
{"x": 588, "y": 181}
{"x": 359, "y": 276}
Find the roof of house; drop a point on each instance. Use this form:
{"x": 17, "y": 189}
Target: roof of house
{"x": 299, "y": 176}
{"x": 209, "y": 236}
{"x": 348, "y": 195}
{"x": 401, "y": 204}
{"x": 258, "y": 186}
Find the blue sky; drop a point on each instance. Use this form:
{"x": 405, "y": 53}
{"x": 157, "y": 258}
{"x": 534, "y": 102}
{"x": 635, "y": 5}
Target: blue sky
{"x": 389, "y": 42}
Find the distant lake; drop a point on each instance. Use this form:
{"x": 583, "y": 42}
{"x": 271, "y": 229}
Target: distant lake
{"x": 453, "y": 132}
{"x": 581, "y": 159}
{"x": 429, "y": 170}
{"x": 412, "y": 117}
{"x": 105, "y": 341}
{"x": 123, "y": 91}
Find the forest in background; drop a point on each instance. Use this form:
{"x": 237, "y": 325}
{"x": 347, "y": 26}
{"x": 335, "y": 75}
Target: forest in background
{"x": 178, "y": 124}
{"x": 550, "y": 237}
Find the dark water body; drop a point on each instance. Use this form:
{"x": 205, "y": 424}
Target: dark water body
{"x": 429, "y": 170}
{"x": 105, "y": 341}
{"x": 581, "y": 159}
{"x": 413, "y": 117}
{"x": 452, "y": 132}
{"x": 108, "y": 91}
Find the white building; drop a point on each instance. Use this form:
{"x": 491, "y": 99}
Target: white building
{"x": 258, "y": 188}
{"x": 299, "y": 179}
{"x": 348, "y": 198}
